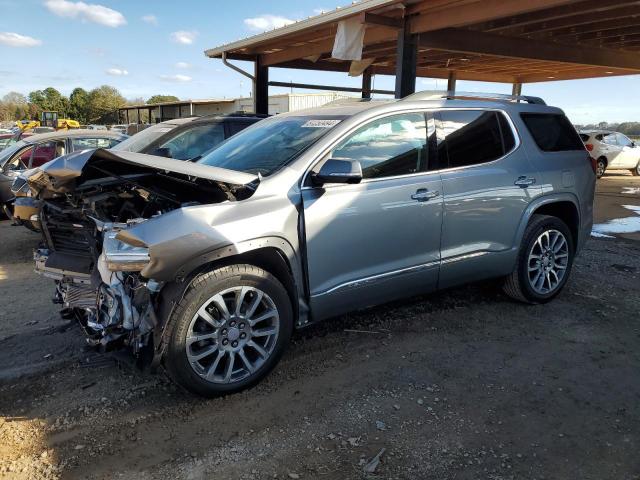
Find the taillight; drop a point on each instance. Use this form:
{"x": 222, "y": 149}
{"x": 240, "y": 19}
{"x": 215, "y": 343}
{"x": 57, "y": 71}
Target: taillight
{"x": 594, "y": 164}
{"x": 589, "y": 147}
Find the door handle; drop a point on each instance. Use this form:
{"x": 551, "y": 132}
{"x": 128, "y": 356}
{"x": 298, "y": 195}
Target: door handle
{"x": 422, "y": 195}
{"x": 524, "y": 182}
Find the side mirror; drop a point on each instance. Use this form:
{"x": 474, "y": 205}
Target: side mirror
{"x": 338, "y": 171}
{"x": 162, "y": 152}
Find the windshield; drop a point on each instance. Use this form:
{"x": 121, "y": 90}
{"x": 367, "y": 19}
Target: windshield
{"x": 137, "y": 142}
{"x": 270, "y": 144}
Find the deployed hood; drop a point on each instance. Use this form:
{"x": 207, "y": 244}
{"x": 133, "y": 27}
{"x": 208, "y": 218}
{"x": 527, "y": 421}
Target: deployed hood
{"x": 62, "y": 173}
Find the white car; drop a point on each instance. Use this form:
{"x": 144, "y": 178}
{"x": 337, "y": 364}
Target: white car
{"x": 612, "y": 150}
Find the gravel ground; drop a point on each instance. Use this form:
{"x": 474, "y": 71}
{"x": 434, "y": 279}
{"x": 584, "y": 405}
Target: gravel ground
{"x": 461, "y": 384}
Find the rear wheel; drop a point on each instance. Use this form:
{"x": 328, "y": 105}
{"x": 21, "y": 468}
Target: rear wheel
{"x": 229, "y": 330}
{"x": 544, "y": 261}
{"x": 636, "y": 171}
{"x": 601, "y": 167}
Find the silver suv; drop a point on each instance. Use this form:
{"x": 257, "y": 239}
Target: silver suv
{"x": 207, "y": 268}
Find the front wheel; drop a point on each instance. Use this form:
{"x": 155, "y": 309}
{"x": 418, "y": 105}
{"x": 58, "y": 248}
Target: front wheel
{"x": 544, "y": 261}
{"x": 229, "y": 330}
{"x": 636, "y": 171}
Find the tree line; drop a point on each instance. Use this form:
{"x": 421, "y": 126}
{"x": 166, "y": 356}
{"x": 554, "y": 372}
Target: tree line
{"x": 94, "y": 106}
{"x": 630, "y": 129}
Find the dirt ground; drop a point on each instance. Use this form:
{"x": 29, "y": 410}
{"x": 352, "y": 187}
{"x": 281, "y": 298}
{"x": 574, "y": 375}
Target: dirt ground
{"x": 462, "y": 384}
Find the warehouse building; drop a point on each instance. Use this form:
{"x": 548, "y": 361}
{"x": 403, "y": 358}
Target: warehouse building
{"x": 286, "y": 102}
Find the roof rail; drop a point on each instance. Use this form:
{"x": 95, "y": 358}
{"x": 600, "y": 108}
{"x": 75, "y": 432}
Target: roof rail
{"x": 496, "y": 97}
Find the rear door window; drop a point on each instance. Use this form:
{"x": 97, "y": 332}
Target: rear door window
{"x": 472, "y": 137}
{"x": 91, "y": 143}
{"x": 194, "y": 141}
{"x": 552, "y": 132}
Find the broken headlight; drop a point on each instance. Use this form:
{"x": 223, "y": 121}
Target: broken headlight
{"x": 20, "y": 185}
{"x": 122, "y": 257}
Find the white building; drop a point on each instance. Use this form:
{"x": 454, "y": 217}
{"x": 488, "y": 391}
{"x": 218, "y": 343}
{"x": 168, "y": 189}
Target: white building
{"x": 286, "y": 102}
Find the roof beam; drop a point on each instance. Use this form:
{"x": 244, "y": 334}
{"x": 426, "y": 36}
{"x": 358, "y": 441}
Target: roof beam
{"x": 478, "y": 12}
{"x": 372, "y": 35}
{"x": 469, "y": 41}
{"x": 381, "y": 20}
{"x": 553, "y": 13}
{"x": 574, "y": 20}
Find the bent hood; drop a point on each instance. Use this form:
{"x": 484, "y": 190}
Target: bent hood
{"x": 61, "y": 174}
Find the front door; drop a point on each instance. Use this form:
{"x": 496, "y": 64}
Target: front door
{"x": 379, "y": 240}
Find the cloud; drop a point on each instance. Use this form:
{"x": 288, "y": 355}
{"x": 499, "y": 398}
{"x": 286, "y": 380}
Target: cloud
{"x": 266, "y": 22}
{"x": 150, "y": 19}
{"x": 176, "y": 78}
{"x": 183, "y": 65}
{"x": 86, "y": 12}
{"x": 184, "y": 37}
{"x": 16, "y": 40}
{"x": 117, "y": 72}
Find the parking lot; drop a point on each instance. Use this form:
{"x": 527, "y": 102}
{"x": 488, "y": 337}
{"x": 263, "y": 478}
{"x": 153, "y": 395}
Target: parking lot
{"x": 460, "y": 384}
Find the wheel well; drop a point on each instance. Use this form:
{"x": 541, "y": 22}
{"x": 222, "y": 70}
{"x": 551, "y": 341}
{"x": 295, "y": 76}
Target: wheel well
{"x": 565, "y": 211}
{"x": 269, "y": 259}
{"x": 602, "y": 157}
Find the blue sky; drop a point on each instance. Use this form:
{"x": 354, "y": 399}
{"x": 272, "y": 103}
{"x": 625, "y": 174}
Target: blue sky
{"x": 145, "y": 48}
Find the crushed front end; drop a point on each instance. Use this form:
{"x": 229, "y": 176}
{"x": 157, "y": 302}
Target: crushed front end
{"x": 87, "y": 202}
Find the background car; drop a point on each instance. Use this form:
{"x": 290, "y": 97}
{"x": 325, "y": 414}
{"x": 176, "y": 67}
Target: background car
{"x": 187, "y": 138}
{"x": 36, "y": 150}
{"x": 612, "y": 150}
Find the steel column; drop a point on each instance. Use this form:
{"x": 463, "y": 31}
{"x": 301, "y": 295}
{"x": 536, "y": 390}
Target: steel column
{"x": 451, "y": 81}
{"x": 261, "y": 88}
{"x": 516, "y": 89}
{"x": 406, "y": 58}
{"x": 366, "y": 84}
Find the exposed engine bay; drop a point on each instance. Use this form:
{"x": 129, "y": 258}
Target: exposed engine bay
{"x": 98, "y": 276}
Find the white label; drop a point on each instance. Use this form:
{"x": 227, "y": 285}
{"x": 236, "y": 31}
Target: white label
{"x": 320, "y": 123}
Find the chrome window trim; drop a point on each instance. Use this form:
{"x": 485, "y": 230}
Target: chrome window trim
{"x": 320, "y": 157}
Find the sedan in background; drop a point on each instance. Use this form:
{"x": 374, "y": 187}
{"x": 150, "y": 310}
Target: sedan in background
{"x": 612, "y": 150}
{"x": 37, "y": 150}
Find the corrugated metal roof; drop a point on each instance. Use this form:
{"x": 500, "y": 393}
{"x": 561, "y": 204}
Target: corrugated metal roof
{"x": 336, "y": 15}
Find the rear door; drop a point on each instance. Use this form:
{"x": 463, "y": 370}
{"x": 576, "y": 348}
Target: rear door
{"x": 629, "y": 155}
{"x": 487, "y": 184}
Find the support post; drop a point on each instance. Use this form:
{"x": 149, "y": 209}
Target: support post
{"x": 451, "y": 82}
{"x": 138, "y": 116}
{"x": 406, "y": 58}
{"x": 366, "y": 84}
{"x": 161, "y": 116}
{"x": 261, "y": 88}
{"x": 127, "y": 114}
{"x": 516, "y": 90}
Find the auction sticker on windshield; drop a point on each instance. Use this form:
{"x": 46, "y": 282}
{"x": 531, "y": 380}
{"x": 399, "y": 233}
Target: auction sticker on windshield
{"x": 320, "y": 123}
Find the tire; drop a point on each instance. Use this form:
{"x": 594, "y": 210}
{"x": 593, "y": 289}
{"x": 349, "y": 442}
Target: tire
{"x": 601, "y": 167}
{"x": 636, "y": 171}
{"x": 524, "y": 285}
{"x": 200, "y": 315}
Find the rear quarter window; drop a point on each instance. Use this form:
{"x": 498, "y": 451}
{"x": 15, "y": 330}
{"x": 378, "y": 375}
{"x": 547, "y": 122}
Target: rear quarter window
{"x": 552, "y": 132}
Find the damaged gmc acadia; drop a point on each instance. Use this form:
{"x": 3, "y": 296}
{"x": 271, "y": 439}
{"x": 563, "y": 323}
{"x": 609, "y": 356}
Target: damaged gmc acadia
{"x": 206, "y": 268}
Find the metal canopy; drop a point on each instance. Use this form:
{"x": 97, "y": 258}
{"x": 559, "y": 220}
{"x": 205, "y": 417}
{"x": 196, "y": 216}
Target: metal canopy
{"x": 510, "y": 41}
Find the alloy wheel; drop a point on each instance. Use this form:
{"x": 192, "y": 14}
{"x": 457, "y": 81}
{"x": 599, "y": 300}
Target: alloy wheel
{"x": 601, "y": 167}
{"x": 548, "y": 261}
{"x": 232, "y": 334}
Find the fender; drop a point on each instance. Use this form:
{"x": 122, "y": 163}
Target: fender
{"x": 539, "y": 202}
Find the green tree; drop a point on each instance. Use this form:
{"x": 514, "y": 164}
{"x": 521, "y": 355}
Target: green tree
{"x": 79, "y": 105}
{"x": 13, "y": 106}
{"x": 104, "y": 102}
{"x": 49, "y": 99}
{"x": 162, "y": 99}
